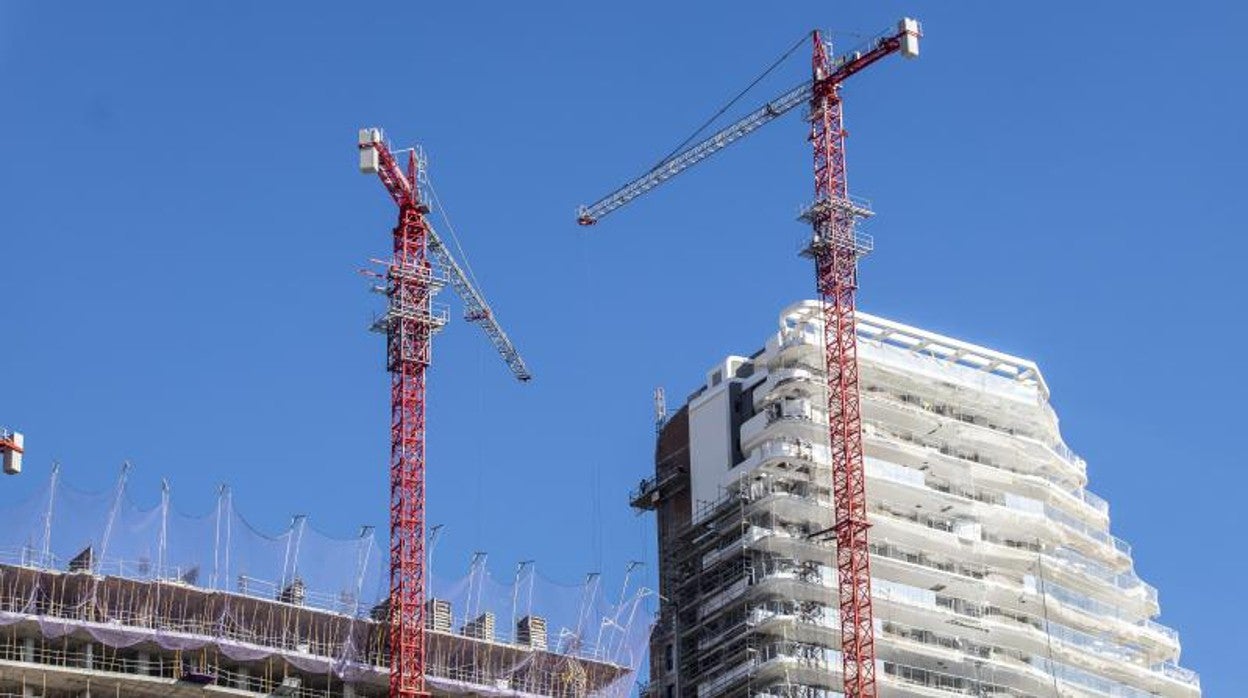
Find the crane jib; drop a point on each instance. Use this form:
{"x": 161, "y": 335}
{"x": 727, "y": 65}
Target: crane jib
{"x": 696, "y": 153}
{"x": 904, "y": 40}
{"x": 378, "y": 159}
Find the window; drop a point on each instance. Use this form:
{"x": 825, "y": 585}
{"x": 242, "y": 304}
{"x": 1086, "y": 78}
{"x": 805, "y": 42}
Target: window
{"x": 669, "y": 660}
{"x": 669, "y": 691}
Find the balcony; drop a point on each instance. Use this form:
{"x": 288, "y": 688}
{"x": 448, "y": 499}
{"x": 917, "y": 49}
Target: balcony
{"x": 781, "y": 450}
{"x": 794, "y": 418}
{"x": 1085, "y": 569}
{"x": 1181, "y": 674}
{"x": 797, "y": 379}
{"x": 972, "y": 440}
{"x": 947, "y": 683}
{"x": 802, "y": 342}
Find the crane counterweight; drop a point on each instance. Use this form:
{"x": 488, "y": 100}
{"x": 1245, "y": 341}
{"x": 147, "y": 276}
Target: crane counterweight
{"x": 12, "y": 447}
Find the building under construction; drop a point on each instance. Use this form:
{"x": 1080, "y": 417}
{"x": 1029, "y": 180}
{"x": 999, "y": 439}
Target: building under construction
{"x": 99, "y": 597}
{"x": 994, "y": 572}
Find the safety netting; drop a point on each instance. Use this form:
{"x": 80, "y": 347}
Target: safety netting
{"x": 301, "y": 595}
{"x": 108, "y": 534}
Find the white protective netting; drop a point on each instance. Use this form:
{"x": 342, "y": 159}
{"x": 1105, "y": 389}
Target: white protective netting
{"x": 61, "y": 529}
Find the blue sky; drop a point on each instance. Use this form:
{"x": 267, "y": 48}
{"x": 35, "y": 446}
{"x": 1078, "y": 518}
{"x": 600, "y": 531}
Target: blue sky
{"x": 182, "y": 221}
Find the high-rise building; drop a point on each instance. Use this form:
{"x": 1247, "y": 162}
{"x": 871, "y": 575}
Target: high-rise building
{"x": 994, "y": 570}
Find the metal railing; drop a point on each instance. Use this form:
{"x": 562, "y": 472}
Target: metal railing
{"x": 156, "y": 668}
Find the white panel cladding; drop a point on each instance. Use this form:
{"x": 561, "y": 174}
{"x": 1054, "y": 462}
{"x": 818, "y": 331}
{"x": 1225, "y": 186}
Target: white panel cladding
{"x": 710, "y": 451}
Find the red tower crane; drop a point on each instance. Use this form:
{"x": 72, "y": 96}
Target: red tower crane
{"x": 835, "y": 247}
{"x": 421, "y": 265}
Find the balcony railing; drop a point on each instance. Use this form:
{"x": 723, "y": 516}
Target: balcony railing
{"x": 1178, "y": 673}
{"x": 1103, "y": 646}
{"x": 1167, "y": 632}
{"x": 1126, "y": 582}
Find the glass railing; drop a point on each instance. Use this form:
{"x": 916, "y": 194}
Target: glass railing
{"x": 923, "y": 441}
{"x": 1064, "y": 451}
{"x": 950, "y": 683}
{"x": 887, "y": 590}
{"x": 791, "y": 448}
{"x": 1081, "y": 601}
{"x": 795, "y": 338}
{"x": 1060, "y": 449}
{"x": 1102, "y": 537}
{"x": 1062, "y": 672}
{"x": 922, "y": 559}
{"x": 1124, "y": 581}
{"x": 1168, "y": 632}
{"x": 897, "y": 473}
{"x": 780, "y": 375}
{"x": 1094, "y": 501}
{"x": 1103, "y": 645}
{"x": 1178, "y": 673}
{"x": 1084, "y": 679}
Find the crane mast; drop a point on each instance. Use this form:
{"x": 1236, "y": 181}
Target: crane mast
{"x": 835, "y": 247}
{"x": 421, "y": 264}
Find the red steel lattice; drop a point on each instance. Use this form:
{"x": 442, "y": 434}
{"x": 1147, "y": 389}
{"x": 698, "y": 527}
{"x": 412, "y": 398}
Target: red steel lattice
{"x": 836, "y": 267}
{"x": 409, "y": 326}
{"x": 420, "y": 266}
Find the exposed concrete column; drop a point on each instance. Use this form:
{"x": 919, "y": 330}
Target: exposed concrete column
{"x": 28, "y": 650}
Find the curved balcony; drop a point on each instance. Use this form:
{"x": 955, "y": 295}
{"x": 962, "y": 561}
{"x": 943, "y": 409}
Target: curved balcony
{"x": 949, "y": 433}
{"x": 792, "y": 419}
{"x": 802, "y": 343}
{"x": 789, "y": 381}
{"x": 788, "y": 453}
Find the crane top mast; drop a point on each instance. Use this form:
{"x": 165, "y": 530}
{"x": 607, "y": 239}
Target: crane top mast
{"x": 404, "y": 187}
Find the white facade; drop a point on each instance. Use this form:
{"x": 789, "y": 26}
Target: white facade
{"x": 994, "y": 570}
